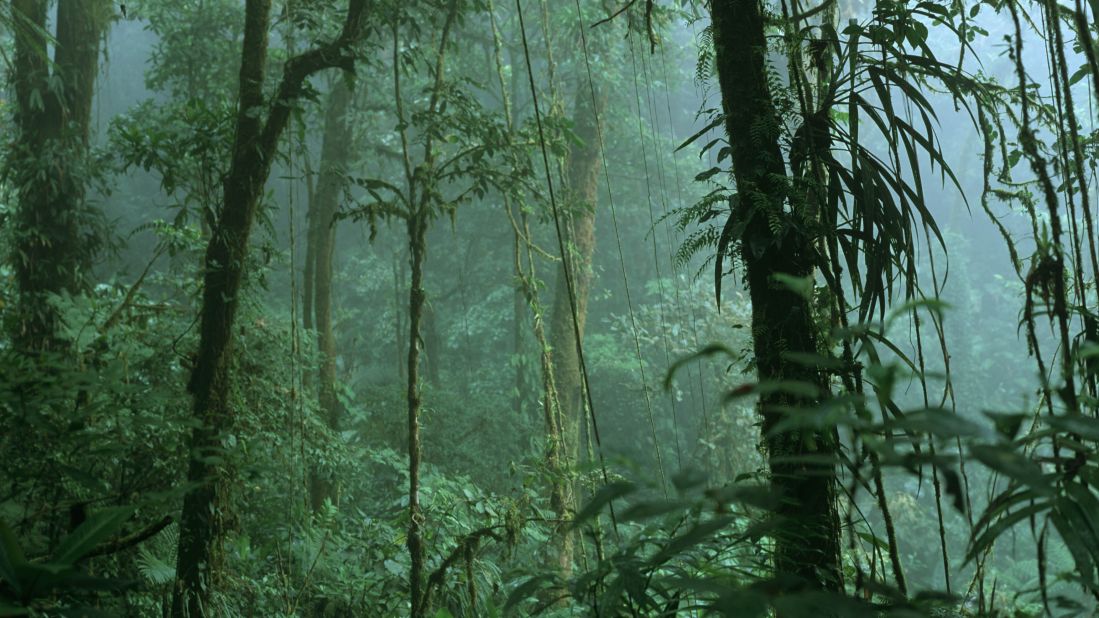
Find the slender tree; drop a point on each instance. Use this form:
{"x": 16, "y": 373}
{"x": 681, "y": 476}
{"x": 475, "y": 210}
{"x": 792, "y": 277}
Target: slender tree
{"x": 774, "y": 244}
{"x": 528, "y": 301}
{"x": 323, "y": 205}
{"x": 48, "y": 163}
{"x": 449, "y": 153}
{"x": 259, "y": 125}
{"x": 421, "y": 203}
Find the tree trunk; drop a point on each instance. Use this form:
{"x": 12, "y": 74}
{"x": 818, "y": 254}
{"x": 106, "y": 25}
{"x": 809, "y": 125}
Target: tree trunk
{"x": 432, "y": 347}
{"x": 807, "y": 544}
{"x": 417, "y": 242}
{"x": 322, "y": 214}
{"x": 255, "y": 143}
{"x": 583, "y": 176}
{"x": 399, "y": 307}
{"x": 422, "y": 205}
{"x": 53, "y": 244}
{"x": 518, "y": 351}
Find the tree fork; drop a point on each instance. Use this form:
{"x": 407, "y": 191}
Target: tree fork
{"x": 255, "y": 143}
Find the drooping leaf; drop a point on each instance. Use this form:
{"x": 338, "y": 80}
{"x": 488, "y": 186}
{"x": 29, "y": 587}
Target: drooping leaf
{"x": 733, "y": 229}
{"x": 1086, "y": 427}
{"x": 699, "y": 533}
{"x": 606, "y": 494}
{"x": 1000, "y": 526}
{"x": 648, "y": 510}
{"x": 712, "y": 349}
{"x": 525, "y": 590}
{"x": 939, "y": 422}
{"x": 1013, "y": 465}
{"x": 714, "y": 123}
{"x": 96, "y": 529}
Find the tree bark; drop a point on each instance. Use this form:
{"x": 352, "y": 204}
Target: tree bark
{"x": 775, "y": 241}
{"x": 518, "y": 351}
{"x": 255, "y": 143}
{"x": 417, "y": 243}
{"x": 432, "y": 347}
{"x": 583, "y": 188}
{"x": 53, "y": 244}
{"x": 335, "y": 154}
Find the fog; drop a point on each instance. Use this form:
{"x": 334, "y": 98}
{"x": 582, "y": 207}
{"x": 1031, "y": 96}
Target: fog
{"x": 466, "y": 308}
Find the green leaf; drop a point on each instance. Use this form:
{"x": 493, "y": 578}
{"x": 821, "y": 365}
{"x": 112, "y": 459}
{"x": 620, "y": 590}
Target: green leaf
{"x": 1080, "y": 74}
{"x": 711, "y": 350}
{"x": 1069, "y": 526}
{"x": 708, "y": 174}
{"x": 603, "y": 497}
{"x": 1084, "y": 426}
{"x": 713, "y": 124}
{"x": 939, "y": 422}
{"x": 874, "y": 540}
{"x": 732, "y": 230}
{"x": 1007, "y": 424}
{"x": 802, "y": 286}
{"x": 796, "y": 388}
{"x": 1012, "y": 465}
{"x": 648, "y": 510}
{"x": 526, "y": 590}
{"x": 689, "y": 478}
{"x": 96, "y": 529}
{"x": 11, "y": 558}
{"x": 692, "y": 537}
{"x": 993, "y": 532}
{"x": 812, "y": 359}
{"x": 1082, "y": 523}
{"x": 393, "y": 568}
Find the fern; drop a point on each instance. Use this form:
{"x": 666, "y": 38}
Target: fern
{"x": 154, "y": 569}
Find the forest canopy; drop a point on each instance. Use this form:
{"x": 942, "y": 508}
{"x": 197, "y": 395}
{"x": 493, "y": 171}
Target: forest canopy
{"x": 319, "y": 308}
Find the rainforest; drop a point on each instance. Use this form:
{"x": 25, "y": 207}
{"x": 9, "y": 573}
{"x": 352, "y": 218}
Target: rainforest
{"x": 494, "y": 308}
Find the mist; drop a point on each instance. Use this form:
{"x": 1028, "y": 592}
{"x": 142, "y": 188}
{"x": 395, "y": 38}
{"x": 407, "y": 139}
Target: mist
{"x": 478, "y": 308}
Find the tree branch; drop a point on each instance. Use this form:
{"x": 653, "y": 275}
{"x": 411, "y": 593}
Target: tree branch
{"x": 136, "y": 538}
{"x": 468, "y": 542}
{"x": 299, "y": 68}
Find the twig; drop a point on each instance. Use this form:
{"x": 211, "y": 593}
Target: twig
{"x": 649, "y": 30}
{"x": 131, "y": 293}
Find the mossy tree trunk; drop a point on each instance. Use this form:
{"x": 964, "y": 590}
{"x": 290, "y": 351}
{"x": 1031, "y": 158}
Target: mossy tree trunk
{"x": 583, "y": 189}
{"x": 774, "y": 242}
{"x": 53, "y": 239}
{"x": 423, "y": 204}
{"x": 417, "y": 242}
{"x": 259, "y": 126}
{"x": 323, "y": 207}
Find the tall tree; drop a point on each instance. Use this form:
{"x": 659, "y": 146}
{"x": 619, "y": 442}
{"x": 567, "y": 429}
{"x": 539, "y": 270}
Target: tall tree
{"x": 528, "y": 301}
{"x": 423, "y": 202}
{"x": 323, "y": 205}
{"x": 775, "y": 243}
{"x": 582, "y": 197}
{"x": 259, "y": 125}
{"x": 49, "y": 166}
